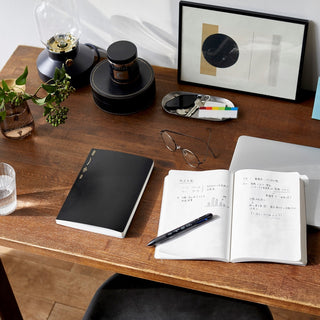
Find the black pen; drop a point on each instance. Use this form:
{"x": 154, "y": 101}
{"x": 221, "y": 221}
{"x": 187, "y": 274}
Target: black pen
{"x": 186, "y": 227}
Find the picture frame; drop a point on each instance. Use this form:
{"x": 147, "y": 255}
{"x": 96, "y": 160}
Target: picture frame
{"x": 240, "y": 50}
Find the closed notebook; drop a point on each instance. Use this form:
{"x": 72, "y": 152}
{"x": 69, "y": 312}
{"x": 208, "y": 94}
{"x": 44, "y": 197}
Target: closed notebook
{"x": 106, "y": 193}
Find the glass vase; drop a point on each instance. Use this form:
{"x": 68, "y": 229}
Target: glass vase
{"x": 18, "y": 122}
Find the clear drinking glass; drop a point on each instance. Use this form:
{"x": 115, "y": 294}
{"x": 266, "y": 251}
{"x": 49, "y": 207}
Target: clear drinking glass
{"x": 8, "y": 193}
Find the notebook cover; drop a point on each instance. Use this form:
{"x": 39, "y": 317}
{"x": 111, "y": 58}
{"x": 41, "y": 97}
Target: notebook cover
{"x": 106, "y": 192}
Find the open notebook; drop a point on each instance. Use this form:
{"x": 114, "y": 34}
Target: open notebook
{"x": 260, "y": 216}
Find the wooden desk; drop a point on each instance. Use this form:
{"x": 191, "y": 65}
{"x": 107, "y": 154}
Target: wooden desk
{"x": 48, "y": 162}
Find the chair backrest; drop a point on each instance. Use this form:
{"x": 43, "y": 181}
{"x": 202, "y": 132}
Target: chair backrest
{"x": 124, "y": 297}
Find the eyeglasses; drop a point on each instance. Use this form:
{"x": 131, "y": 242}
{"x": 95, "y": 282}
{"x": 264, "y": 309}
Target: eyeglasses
{"x": 190, "y": 157}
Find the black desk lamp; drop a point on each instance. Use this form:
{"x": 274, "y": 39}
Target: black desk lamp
{"x": 59, "y": 29}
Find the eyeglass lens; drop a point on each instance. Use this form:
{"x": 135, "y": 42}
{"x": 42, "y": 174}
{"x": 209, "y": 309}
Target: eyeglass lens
{"x": 168, "y": 141}
{"x": 190, "y": 158}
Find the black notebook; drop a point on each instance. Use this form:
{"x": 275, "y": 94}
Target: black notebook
{"x": 106, "y": 193}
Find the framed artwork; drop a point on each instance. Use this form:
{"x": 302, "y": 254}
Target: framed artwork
{"x": 240, "y": 50}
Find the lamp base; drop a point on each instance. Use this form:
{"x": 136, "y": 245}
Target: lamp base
{"x": 78, "y": 64}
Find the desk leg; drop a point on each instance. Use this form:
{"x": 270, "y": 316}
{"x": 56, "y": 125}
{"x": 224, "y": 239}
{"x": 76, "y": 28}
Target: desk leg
{"x": 9, "y": 309}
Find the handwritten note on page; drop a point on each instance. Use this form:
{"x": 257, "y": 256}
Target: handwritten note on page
{"x": 188, "y": 195}
{"x": 266, "y": 216}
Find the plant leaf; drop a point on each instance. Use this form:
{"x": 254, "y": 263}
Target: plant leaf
{"x": 26, "y": 96}
{"x": 56, "y": 74}
{"x": 50, "y": 98}
{"x": 47, "y": 110}
{"x": 11, "y": 95}
{"x": 2, "y": 111}
{"x": 59, "y": 74}
{"x": 5, "y": 86}
{"x": 39, "y": 101}
{"x": 50, "y": 88}
{"x": 23, "y": 78}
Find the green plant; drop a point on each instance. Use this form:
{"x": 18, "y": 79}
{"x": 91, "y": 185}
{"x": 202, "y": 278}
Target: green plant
{"x": 56, "y": 90}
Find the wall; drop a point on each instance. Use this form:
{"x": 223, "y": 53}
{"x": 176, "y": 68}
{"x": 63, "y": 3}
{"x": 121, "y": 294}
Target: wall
{"x": 152, "y": 25}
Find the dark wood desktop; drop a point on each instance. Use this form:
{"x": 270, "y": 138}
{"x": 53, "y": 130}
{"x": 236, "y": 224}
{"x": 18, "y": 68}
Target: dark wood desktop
{"x": 48, "y": 162}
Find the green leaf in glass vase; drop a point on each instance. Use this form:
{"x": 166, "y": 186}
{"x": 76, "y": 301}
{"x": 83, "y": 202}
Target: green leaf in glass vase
{"x": 2, "y": 111}
{"x": 5, "y": 86}
{"x": 23, "y": 78}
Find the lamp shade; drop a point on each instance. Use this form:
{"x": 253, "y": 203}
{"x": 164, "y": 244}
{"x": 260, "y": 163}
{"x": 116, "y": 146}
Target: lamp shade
{"x": 58, "y": 24}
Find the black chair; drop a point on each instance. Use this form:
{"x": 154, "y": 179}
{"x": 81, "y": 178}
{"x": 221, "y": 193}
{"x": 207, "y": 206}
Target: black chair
{"x": 124, "y": 297}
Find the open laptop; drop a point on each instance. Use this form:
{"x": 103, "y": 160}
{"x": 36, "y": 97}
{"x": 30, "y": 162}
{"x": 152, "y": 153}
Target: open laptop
{"x": 257, "y": 153}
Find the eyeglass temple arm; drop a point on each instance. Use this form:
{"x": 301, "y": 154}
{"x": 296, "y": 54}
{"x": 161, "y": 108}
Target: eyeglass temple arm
{"x": 213, "y": 154}
{"x": 209, "y": 148}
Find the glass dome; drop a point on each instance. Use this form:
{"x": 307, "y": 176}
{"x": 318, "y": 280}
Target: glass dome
{"x": 58, "y": 24}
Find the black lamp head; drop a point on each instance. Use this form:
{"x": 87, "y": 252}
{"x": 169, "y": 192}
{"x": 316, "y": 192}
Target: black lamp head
{"x": 78, "y": 63}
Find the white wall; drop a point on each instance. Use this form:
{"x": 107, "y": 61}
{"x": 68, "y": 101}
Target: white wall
{"x": 151, "y": 24}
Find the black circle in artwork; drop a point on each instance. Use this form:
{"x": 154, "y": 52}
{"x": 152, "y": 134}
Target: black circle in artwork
{"x": 220, "y": 50}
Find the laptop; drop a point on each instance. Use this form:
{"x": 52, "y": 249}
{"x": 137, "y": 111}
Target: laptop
{"x": 258, "y": 153}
